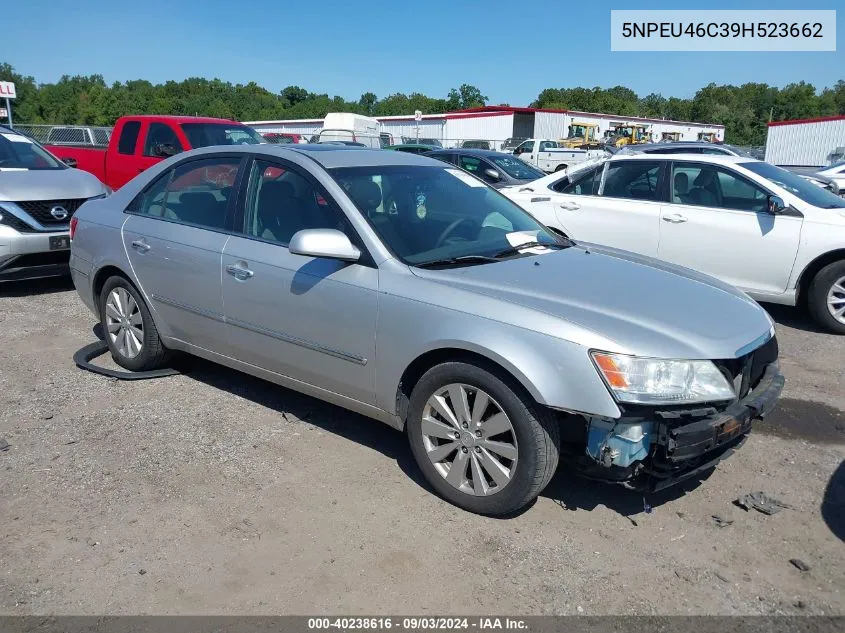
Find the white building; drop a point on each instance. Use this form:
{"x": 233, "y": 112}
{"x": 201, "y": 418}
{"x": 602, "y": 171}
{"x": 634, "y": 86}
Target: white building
{"x": 498, "y": 123}
{"x": 804, "y": 142}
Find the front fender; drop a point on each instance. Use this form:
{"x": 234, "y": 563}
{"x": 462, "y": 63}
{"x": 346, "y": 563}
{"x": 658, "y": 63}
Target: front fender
{"x": 555, "y": 372}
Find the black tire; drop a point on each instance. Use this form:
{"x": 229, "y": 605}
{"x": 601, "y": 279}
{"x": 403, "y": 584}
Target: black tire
{"x": 561, "y": 167}
{"x": 536, "y": 429}
{"x": 817, "y": 296}
{"x": 153, "y": 354}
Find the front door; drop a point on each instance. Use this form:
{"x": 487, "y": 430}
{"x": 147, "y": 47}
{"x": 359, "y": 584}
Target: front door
{"x": 174, "y": 237}
{"x": 310, "y": 319}
{"x": 718, "y": 223}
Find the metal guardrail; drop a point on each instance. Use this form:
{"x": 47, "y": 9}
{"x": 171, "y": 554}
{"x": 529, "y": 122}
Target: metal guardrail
{"x": 95, "y": 136}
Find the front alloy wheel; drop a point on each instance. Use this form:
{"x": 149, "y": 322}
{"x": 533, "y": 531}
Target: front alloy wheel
{"x": 479, "y": 438}
{"x": 469, "y": 439}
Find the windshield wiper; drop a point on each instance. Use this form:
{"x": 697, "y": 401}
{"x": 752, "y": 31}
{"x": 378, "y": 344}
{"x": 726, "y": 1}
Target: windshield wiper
{"x": 457, "y": 261}
{"x": 515, "y": 250}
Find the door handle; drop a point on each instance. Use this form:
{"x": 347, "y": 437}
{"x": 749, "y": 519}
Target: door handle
{"x": 570, "y": 206}
{"x": 239, "y": 272}
{"x": 141, "y": 246}
{"x": 675, "y": 218}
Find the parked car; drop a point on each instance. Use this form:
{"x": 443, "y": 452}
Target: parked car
{"x": 476, "y": 145}
{"x": 404, "y": 289}
{"x": 422, "y": 141}
{"x": 38, "y": 197}
{"x": 283, "y": 138}
{"x": 495, "y": 168}
{"x": 347, "y": 143}
{"x": 510, "y": 144}
{"x": 412, "y": 148}
{"x": 139, "y": 142}
{"x": 832, "y": 177}
{"x": 753, "y": 225}
{"x": 548, "y": 155}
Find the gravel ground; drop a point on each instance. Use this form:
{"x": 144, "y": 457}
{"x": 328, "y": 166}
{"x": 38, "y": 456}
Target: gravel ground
{"x": 215, "y": 492}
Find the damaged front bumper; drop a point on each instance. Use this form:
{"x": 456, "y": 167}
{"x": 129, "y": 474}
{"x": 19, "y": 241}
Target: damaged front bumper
{"x": 676, "y": 443}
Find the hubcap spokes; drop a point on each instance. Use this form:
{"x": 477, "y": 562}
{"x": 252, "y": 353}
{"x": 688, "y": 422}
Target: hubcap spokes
{"x": 469, "y": 439}
{"x": 124, "y": 323}
{"x": 836, "y": 300}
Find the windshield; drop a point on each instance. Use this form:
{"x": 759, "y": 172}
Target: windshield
{"x": 516, "y": 168}
{"x": 797, "y": 186}
{"x": 425, "y": 214}
{"x": 206, "y": 134}
{"x": 21, "y": 152}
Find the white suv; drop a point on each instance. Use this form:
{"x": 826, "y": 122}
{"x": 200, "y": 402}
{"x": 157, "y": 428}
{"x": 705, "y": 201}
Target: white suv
{"x": 763, "y": 229}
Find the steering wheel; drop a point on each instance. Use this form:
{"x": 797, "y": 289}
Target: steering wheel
{"x": 449, "y": 230}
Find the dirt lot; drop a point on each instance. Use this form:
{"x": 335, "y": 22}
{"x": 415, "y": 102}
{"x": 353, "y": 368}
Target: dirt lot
{"x": 215, "y": 492}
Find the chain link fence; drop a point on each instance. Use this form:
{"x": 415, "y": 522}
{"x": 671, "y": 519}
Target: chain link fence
{"x": 89, "y": 136}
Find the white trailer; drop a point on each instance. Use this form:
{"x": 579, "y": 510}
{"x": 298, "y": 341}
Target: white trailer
{"x": 805, "y": 142}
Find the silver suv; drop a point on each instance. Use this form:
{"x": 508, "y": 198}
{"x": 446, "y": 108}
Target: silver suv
{"x": 38, "y": 196}
{"x": 405, "y": 289}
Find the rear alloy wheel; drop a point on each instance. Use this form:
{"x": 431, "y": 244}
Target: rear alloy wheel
{"x": 479, "y": 439}
{"x": 826, "y": 297}
{"x": 129, "y": 329}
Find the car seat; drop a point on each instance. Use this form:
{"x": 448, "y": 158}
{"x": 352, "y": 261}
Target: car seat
{"x": 681, "y": 188}
{"x": 704, "y": 191}
{"x": 279, "y": 214}
{"x": 199, "y": 207}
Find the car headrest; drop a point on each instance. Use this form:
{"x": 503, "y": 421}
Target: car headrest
{"x": 704, "y": 178}
{"x": 366, "y": 194}
{"x": 681, "y": 184}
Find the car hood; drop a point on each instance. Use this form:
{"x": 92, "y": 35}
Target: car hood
{"x": 48, "y": 184}
{"x": 647, "y": 307}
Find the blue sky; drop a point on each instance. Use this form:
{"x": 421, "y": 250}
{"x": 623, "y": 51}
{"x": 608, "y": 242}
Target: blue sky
{"x": 510, "y": 50}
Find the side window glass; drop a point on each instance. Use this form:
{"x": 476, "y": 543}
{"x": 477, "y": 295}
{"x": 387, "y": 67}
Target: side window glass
{"x": 586, "y": 184}
{"x": 151, "y": 200}
{"x": 196, "y": 192}
{"x": 709, "y": 186}
{"x": 281, "y": 202}
{"x": 633, "y": 180}
{"x": 128, "y": 138}
{"x": 470, "y": 164}
{"x": 525, "y": 147}
{"x": 160, "y": 134}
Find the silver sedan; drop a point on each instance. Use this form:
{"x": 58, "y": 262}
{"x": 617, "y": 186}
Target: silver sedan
{"x": 407, "y": 290}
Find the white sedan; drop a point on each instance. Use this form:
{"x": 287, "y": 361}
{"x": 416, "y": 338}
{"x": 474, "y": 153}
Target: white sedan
{"x": 761, "y": 228}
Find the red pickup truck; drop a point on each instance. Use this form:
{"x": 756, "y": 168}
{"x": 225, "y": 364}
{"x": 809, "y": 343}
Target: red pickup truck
{"x": 139, "y": 142}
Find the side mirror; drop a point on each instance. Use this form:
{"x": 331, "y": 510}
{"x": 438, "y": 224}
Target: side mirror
{"x": 328, "y": 243}
{"x": 493, "y": 175}
{"x": 164, "y": 150}
{"x": 70, "y": 162}
{"x": 776, "y": 205}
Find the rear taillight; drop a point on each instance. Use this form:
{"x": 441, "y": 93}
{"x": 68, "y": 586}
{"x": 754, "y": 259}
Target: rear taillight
{"x": 73, "y": 222}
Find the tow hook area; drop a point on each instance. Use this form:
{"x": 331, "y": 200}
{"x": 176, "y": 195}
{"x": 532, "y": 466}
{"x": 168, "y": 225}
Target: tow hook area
{"x": 614, "y": 443}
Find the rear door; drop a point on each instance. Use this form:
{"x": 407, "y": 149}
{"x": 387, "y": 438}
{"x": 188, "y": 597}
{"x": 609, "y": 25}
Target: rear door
{"x": 310, "y": 319}
{"x": 718, "y": 223}
{"x": 617, "y": 205}
{"x": 174, "y": 237}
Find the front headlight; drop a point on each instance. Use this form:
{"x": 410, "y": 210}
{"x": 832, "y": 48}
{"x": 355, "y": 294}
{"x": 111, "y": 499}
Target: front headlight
{"x": 657, "y": 381}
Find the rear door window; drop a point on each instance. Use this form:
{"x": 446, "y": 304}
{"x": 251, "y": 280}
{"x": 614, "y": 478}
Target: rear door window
{"x": 633, "y": 180}
{"x": 196, "y": 193}
{"x": 128, "y": 138}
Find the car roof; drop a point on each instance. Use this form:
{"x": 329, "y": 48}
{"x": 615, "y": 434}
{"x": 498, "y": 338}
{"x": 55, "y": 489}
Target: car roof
{"x": 724, "y": 159}
{"x": 470, "y": 151}
{"x": 181, "y": 119}
{"x": 644, "y": 147}
{"x": 330, "y": 156}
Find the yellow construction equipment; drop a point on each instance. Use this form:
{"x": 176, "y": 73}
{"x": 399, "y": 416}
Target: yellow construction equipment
{"x": 707, "y": 137}
{"x": 628, "y": 134}
{"x": 582, "y": 136}
{"x": 670, "y": 137}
